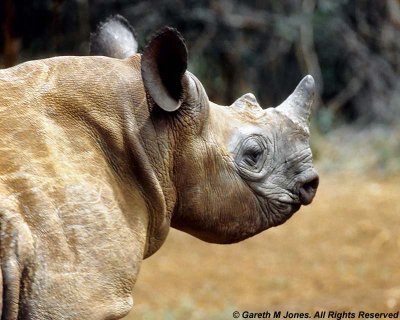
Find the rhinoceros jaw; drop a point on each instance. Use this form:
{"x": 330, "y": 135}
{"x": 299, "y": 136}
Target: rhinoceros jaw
{"x": 277, "y": 212}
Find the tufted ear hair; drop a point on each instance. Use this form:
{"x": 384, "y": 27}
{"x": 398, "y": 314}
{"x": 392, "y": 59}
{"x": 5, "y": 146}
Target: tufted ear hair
{"x": 164, "y": 63}
{"x": 114, "y": 38}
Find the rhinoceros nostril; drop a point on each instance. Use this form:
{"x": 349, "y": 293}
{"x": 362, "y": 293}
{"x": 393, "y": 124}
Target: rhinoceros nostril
{"x": 308, "y": 189}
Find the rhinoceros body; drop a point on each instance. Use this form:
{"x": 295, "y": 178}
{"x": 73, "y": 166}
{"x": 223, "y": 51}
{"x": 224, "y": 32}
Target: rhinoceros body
{"x": 100, "y": 156}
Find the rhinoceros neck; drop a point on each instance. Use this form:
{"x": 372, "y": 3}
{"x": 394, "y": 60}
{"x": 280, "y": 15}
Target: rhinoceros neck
{"x": 133, "y": 146}
{"x": 100, "y": 104}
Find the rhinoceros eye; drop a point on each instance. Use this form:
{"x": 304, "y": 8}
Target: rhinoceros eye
{"x": 252, "y": 153}
{"x": 252, "y": 156}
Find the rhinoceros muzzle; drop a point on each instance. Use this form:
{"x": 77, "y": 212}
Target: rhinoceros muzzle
{"x": 279, "y": 209}
{"x": 308, "y": 187}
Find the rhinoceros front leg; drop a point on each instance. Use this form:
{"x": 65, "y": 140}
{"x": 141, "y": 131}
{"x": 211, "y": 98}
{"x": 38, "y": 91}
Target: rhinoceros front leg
{"x": 15, "y": 251}
{"x": 10, "y": 282}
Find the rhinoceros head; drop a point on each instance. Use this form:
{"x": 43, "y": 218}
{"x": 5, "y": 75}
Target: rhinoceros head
{"x": 237, "y": 170}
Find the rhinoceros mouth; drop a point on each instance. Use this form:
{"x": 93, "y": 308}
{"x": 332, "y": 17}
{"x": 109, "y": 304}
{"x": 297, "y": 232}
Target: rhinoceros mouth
{"x": 277, "y": 212}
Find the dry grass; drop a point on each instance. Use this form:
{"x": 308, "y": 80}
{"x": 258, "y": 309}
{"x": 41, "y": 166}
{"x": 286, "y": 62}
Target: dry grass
{"x": 340, "y": 253}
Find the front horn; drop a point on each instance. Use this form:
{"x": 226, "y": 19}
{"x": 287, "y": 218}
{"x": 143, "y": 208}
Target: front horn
{"x": 298, "y": 105}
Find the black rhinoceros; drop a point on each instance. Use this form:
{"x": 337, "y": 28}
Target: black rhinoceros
{"x": 100, "y": 156}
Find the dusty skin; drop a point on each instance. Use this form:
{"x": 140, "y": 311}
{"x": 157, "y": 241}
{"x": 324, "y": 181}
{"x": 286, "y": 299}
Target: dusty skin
{"x": 99, "y": 157}
{"x": 341, "y": 253}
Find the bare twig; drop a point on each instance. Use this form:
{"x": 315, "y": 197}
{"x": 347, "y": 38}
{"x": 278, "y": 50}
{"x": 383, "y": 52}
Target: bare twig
{"x": 306, "y": 54}
{"x": 393, "y": 8}
{"x": 344, "y": 96}
{"x": 11, "y": 44}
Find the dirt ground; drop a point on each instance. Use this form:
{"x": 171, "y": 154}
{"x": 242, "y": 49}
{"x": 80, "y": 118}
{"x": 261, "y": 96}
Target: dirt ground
{"x": 341, "y": 253}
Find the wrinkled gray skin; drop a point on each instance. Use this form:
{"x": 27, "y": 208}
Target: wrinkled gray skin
{"x": 100, "y": 156}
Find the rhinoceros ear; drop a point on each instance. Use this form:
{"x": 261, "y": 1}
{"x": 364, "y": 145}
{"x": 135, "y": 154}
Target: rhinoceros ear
{"x": 114, "y": 38}
{"x": 164, "y": 63}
